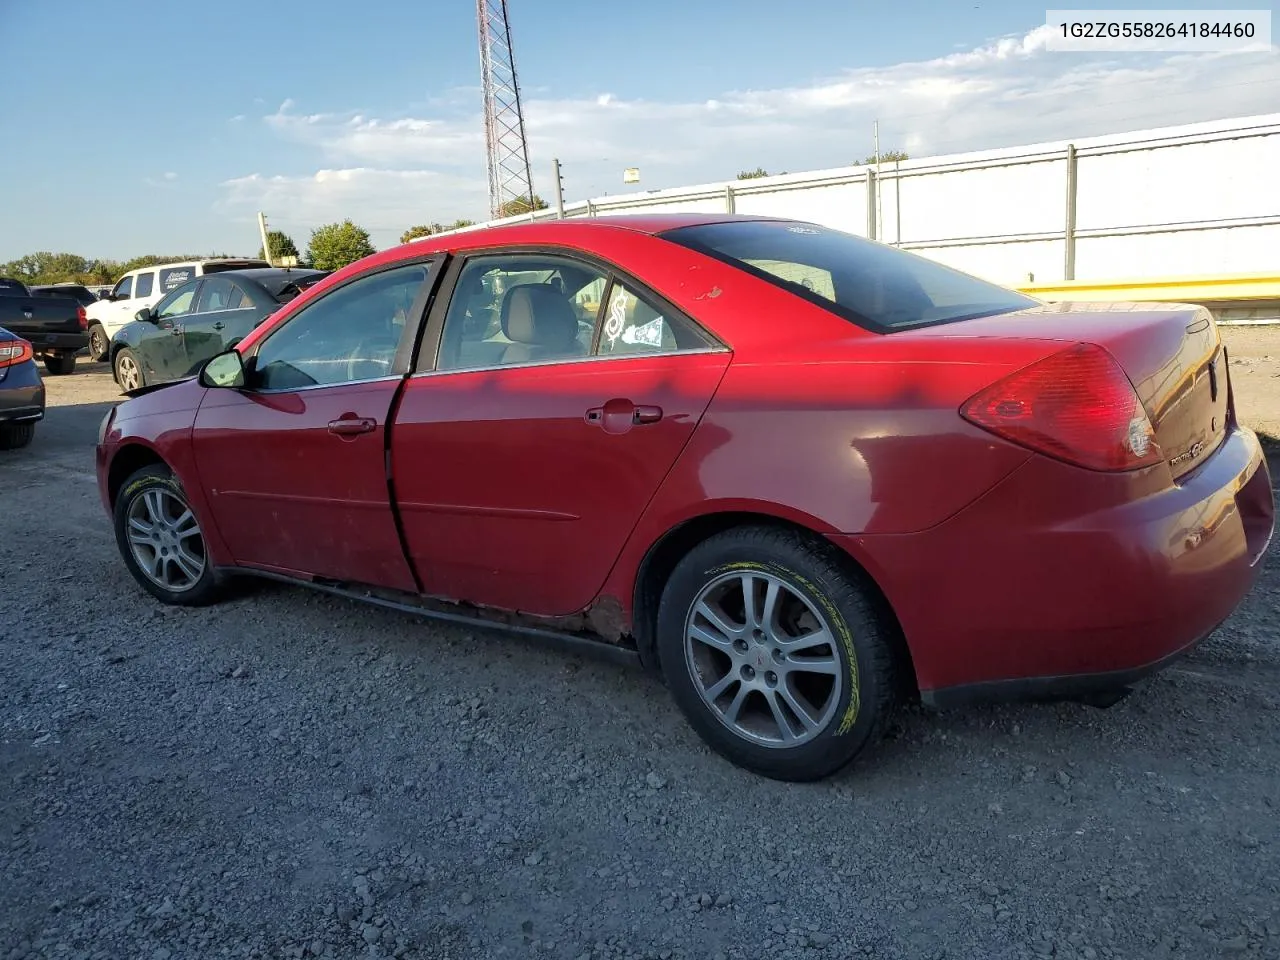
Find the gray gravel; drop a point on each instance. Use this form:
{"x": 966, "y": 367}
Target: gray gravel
{"x": 290, "y": 775}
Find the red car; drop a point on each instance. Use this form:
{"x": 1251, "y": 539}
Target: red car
{"x": 802, "y": 474}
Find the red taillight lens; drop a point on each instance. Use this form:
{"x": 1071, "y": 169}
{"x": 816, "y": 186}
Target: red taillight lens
{"x": 83, "y": 317}
{"x": 1077, "y": 406}
{"x": 14, "y": 352}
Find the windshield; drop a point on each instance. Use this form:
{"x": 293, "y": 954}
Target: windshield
{"x": 871, "y": 284}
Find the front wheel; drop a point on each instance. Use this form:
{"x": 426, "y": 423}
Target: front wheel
{"x": 161, "y": 541}
{"x": 128, "y": 371}
{"x": 99, "y": 345}
{"x": 59, "y": 365}
{"x": 776, "y": 653}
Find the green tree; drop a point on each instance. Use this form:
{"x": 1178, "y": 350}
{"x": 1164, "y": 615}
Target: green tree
{"x": 520, "y": 205}
{"x": 335, "y": 245}
{"x": 886, "y": 156}
{"x": 427, "y": 229}
{"x": 282, "y": 245}
{"x": 753, "y": 174}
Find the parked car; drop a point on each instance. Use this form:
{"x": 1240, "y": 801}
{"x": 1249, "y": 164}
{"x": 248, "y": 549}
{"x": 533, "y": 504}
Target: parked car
{"x": 80, "y": 294}
{"x": 21, "y": 392}
{"x": 54, "y": 326}
{"x": 199, "y": 319}
{"x": 145, "y": 287}
{"x": 800, "y": 501}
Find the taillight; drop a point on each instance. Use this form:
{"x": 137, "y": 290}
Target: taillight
{"x": 1077, "y": 406}
{"x": 14, "y": 352}
{"x": 83, "y": 317}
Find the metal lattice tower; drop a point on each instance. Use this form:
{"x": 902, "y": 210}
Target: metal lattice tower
{"x": 510, "y": 176}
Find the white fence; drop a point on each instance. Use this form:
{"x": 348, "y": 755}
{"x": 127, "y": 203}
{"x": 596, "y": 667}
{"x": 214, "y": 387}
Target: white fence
{"x": 1195, "y": 200}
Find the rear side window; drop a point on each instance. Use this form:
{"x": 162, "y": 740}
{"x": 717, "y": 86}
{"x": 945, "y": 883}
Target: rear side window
{"x": 173, "y": 277}
{"x": 145, "y": 285}
{"x": 867, "y": 283}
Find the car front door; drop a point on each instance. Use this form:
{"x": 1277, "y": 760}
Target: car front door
{"x": 225, "y": 312}
{"x": 159, "y": 348}
{"x": 294, "y": 465}
{"x": 525, "y": 451}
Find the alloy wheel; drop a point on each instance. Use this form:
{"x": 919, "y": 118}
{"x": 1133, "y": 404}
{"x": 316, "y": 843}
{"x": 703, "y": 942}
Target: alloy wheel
{"x": 128, "y": 372}
{"x": 165, "y": 540}
{"x": 764, "y": 659}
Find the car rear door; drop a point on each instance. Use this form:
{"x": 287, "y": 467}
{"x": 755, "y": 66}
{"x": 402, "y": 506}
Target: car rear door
{"x": 294, "y": 465}
{"x": 522, "y": 457}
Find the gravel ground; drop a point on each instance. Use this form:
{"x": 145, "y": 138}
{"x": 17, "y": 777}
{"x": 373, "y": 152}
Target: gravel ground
{"x": 290, "y": 775}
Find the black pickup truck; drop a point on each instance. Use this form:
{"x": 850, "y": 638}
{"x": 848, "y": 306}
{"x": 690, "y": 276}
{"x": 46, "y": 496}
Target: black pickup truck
{"x": 56, "y": 327}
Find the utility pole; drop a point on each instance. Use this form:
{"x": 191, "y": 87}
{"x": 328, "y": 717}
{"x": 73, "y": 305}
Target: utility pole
{"x": 262, "y": 229}
{"x": 879, "y": 207}
{"x": 559, "y": 182}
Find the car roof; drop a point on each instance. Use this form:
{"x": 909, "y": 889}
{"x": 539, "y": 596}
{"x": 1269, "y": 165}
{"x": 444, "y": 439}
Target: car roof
{"x": 273, "y": 279}
{"x": 193, "y": 263}
{"x": 576, "y": 231}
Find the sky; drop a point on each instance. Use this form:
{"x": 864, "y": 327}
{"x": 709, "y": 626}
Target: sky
{"x": 138, "y": 126}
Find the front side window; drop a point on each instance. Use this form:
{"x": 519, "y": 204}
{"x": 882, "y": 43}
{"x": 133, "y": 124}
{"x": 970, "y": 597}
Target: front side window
{"x": 145, "y": 285}
{"x": 348, "y": 335}
{"x": 176, "y": 303}
{"x": 123, "y": 289}
{"x": 871, "y": 284}
{"x": 520, "y": 308}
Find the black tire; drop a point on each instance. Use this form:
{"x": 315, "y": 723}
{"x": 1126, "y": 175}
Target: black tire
{"x": 61, "y": 364}
{"x": 15, "y": 435}
{"x": 115, "y": 367}
{"x": 99, "y": 344}
{"x": 208, "y": 588}
{"x": 819, "y": 573}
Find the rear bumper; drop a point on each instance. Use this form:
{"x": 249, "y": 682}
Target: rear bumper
{"x": 57, "y": 342}
{"x": 22, "y": 398}
{"x": 1059, "y": 582}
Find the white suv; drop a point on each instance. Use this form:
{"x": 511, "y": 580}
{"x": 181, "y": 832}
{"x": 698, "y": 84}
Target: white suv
{"x": 143, "y": 288}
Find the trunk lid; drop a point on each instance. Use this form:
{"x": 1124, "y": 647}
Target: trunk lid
{"x": 1172, "y": 353}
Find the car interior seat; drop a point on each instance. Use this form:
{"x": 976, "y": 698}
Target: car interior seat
{"x": 541, "y": 324}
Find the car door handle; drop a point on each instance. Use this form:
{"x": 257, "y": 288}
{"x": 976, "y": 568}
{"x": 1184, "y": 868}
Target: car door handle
{"x": 218, "y": 325}
{"x": 619, "y": 416}
{"x": 350, "y": 426}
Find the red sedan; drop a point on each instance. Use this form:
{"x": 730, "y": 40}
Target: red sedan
{"x": 802, "y": 474}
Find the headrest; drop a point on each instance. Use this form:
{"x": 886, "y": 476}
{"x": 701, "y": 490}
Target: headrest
{"x": 538, "y": 314}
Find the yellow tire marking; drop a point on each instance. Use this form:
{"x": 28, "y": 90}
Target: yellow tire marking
{"x": 838, "y": 624}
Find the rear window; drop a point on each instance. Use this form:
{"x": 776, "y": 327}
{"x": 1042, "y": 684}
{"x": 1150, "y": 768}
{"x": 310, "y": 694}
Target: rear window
{"x": 867, "y": 283}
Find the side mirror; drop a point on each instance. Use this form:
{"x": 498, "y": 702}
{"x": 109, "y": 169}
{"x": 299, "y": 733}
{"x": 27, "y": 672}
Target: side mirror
{"x": 226, "y": 370}
{"x": 144, "y": 315}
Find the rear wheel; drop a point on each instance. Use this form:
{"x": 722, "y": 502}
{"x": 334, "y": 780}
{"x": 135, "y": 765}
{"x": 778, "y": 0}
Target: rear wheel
{"x": 15, "y": 435}
{"x": 98, "y": 343}
{"x": 161, "y": 540}
{"x": 776, "y": 652}
{"x": 59, "y": 365}
{"x": 128, "y": 372}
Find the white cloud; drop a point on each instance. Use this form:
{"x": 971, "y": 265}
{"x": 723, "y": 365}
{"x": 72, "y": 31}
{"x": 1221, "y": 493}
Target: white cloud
{"x": 170, "y": 175}
{"x": 403, "y": 170}
{"x": 384, "y": 202}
